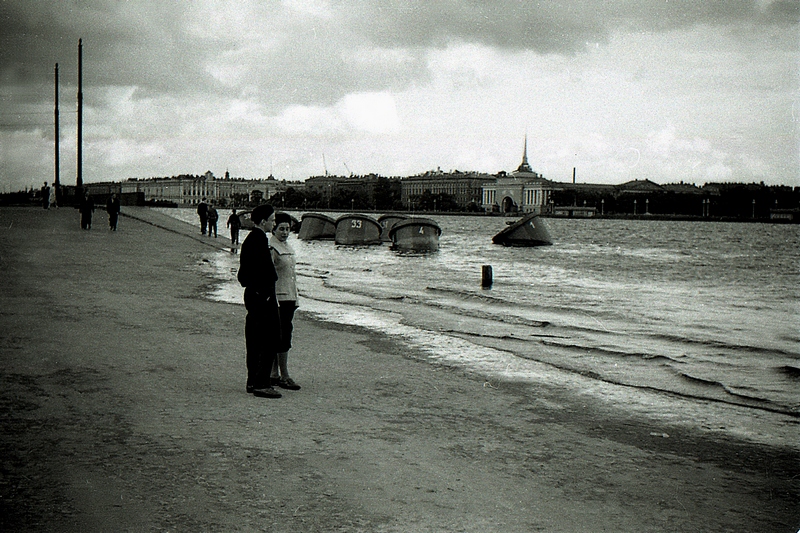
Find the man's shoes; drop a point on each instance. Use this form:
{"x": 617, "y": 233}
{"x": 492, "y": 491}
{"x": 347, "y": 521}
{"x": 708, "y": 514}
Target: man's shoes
{"x": 288, "y": 383}
{"x": 250, "y": 389}
{"x": 266, "y": 392}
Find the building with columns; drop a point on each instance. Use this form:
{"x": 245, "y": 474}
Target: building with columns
{"x": 522, "y": 191}
{"x": 464, "y": 187}
{"x": 190, "y": 190}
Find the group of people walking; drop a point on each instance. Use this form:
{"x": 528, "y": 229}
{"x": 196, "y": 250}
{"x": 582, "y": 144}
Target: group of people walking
{"x": 267, "y": 273}
{"x": 86, "y": 209}
{"x": 209, "y": 218}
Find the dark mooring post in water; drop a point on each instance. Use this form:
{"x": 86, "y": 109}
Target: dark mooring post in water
{"x": 486, "y": 276}
{"x": 57, "y": 179}
{"x": 79, "y": 180}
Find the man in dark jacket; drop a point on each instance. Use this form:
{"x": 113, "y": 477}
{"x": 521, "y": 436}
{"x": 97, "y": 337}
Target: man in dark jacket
{"x": 202, "y": 212}
{"x": 112, "y": 208}
{"x": 262, "y": 325}
{"x": 86, "y": 209}
{"x": 234, "y": 222}
{"x": 212, "y": 216}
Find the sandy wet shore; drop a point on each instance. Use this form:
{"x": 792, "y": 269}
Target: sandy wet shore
{"x": 124, "y": 410}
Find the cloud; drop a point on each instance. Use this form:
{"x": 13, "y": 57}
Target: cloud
{"x": 548, "y": 27}
{"x": 370, "y": 112}
{"x": 310, "y": 120}
{"x": 357, "y": 112}
{"x": 405, "y": 86}
{"x": 26, "y": 160}
{"x": 297, "y": 47}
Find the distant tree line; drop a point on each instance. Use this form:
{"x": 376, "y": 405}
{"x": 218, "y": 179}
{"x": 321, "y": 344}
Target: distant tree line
{"x": 380, "y": 194}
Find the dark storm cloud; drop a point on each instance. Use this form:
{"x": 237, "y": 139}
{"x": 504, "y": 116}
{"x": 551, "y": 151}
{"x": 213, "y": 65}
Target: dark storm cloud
{"x": 123, "y": 45}
{"x": 550, "y": 27}
{"x": 506, "y": 24}
{"x": 134, "y": 38}
{"x": 167, "y": 48}
{"x": 162, "y": 48}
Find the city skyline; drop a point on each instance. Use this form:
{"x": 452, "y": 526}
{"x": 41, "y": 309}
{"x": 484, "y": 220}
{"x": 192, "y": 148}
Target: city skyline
{"x": 679, "y": 91}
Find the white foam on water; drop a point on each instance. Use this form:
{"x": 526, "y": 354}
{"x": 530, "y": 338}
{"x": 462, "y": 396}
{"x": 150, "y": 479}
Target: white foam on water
{"x": 701, "y": 324}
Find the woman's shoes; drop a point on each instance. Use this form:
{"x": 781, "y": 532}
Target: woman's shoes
{"x": 287, "y": 383}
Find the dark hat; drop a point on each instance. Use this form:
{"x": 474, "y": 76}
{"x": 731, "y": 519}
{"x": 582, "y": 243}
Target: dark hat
{"x": 260, "y": 213}
{"x": 283, "y": 217}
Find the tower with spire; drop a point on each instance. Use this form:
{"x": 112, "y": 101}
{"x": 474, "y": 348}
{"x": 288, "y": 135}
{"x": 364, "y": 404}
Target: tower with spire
{"x": 524, "y": 166}
{"x": 521, "y": 191}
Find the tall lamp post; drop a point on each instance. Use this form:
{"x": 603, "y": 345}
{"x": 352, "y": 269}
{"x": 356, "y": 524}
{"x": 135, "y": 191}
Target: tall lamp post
{"x": 79, "y": 180}
{"x": 57, "y": 183}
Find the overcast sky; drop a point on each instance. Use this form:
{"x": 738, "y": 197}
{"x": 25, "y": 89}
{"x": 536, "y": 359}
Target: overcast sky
{"x": 666, "y": 90}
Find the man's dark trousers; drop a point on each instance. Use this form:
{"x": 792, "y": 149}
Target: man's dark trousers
{"x": 261, "y": 323}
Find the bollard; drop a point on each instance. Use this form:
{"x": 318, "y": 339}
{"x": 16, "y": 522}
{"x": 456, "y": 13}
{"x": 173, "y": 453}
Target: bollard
{"x": 486, "y": 276}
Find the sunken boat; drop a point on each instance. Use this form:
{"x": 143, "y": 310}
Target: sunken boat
{"x": 357, "y": 230}
{"x": 386, "y": 222}
{"x": 530, "y": 230}
{"x": 415, "y": 235}
{"x": 316, "y": 226}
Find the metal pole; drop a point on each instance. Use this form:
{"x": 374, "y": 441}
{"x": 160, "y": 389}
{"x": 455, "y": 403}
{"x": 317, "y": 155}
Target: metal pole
{"x": 486, "y": 276}
{"x": 79, "y": 181}
{"x": 57, "y": 183}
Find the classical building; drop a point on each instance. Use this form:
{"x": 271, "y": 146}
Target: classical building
{"x": 465, "y": 188}
{"x": 190, "y": 190}
{"x": 370, "y": 191}
{"x": 522, "y": 191}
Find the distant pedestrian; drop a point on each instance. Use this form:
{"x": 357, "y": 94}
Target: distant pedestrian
{"x": 262, "y": 325}
{"x": 202, "y": 212}
{"x": 286, "y": 292}
{"x": 86, "y": 209}
{"x": 113, "y": 209}
{"x": 213, "y": 216}
{"x": 234, "y": 223}
{"x": 45, "y": 196}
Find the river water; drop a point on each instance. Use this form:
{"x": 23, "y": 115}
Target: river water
{"x": 694, "y": 323}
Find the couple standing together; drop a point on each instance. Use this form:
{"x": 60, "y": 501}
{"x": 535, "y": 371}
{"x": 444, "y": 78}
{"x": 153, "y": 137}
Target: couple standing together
{"x": 267, "y": 273}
